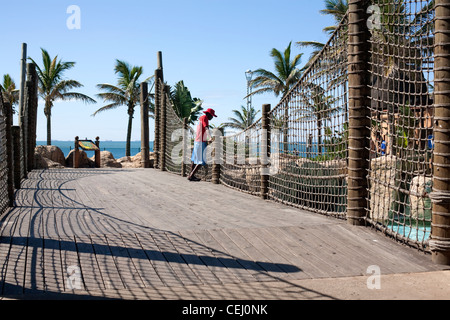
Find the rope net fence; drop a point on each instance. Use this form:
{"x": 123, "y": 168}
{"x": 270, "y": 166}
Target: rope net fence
{"x": 174, "y": 136}
{"x": 241, "y": 161}
{"x": 179, "y": 140}
{"x": 4, "y": 197}
{"x": 402, "y": 64}
{"x": 306, "y": 136}
{"x": 309, "y": 132}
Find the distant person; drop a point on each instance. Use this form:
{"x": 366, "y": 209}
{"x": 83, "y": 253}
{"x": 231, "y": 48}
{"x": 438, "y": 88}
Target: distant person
{"x": 200, "y": 144}
{"x": 383, "y": 147}
{"x": 430, "y": 142}
{"x": 309, "y": 145}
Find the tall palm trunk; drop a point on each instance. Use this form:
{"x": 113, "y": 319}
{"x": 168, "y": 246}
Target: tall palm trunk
{"x": 319, "y": 135}
{"x": 49, "y": 130}
{"x": 130, "y": 126}
{"x": 48, "y": 115}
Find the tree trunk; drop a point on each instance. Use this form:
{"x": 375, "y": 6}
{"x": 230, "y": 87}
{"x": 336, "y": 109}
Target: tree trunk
{"x": 48, "y": 114}
{"x": 130, "y": 126}
{"x": 49, "y": 130}
{"x": 319, "y": 137}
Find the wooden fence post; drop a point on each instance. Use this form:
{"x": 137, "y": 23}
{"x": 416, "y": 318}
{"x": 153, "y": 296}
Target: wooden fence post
{"x": 17, "y": 152}
{"x": 76, "y": 154}
{"x": 265, "y": 151}
{"x": 31, "y": 109}
{"x": 145, "y": 142}
{"x": 440, "y": 228}
{"x": 163, "y": 129}
{"x": 23, "y": 74}
{"x": 97, "y": 158}
{"x": 217, "y": 149}
{"x": 159, "y": 80}
{"x": 359, "y": 111}
{"x": 185, "y": 161}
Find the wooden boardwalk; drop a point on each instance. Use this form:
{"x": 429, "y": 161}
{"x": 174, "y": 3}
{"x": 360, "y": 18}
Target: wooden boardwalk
{"x": 145, "y": 234}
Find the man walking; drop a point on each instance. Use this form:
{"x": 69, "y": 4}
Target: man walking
{"x": 201, "y": 142}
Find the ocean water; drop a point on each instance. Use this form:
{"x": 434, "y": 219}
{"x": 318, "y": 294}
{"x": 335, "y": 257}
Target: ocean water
{"x": 117, "y": 148}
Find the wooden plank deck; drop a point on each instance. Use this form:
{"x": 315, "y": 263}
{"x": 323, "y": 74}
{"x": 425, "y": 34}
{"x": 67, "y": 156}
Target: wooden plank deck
{"x": 145, "y": 234}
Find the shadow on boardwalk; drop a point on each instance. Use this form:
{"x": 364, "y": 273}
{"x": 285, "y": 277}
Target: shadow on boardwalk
{"x": 78, "y": 234}
{"x": 48, "y": 225}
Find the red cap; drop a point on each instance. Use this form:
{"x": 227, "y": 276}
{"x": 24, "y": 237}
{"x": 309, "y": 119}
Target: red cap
{"x": 211, "y": 112}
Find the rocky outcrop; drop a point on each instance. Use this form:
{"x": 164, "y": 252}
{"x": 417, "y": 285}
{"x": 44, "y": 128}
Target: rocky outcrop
{"x": 382, "y": 176}
{"x": 107, "y": 160}
{"x": 85, "y": 162}
{"x": 135, "y": 161}
{"x": 420, "y": 202}
{"x": 46, "y": 157}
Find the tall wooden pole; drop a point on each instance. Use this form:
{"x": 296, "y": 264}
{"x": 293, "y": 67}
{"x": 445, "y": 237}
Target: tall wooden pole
{"x": 31, "y": 109}
{"x": 265, "y": 149}
{"x": 217, "y": 149}
{"x": 163, "y": 128}
{"x": 145, "y": 138}
{"x": 359, "y": 111}
{"x": 97, "y": 158}
{"x": 440, "y": 229}
{"x": 185, "y": 161}
{"x": 76, "y": 154}
{"x": 23, "y": 73}
{"x": 159, "y": 81}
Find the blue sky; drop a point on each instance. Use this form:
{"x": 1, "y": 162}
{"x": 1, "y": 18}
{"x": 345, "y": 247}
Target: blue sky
{"x": 207, "y": 43}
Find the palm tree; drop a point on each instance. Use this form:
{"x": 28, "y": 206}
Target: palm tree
{"x": 125, "y": 93}
{"x": 287, "y": 74}
{"x": 244, "y": 118}
{"x": 321, "y": 108}
{"x": 9, "y": 91}
{"x": 184, "y": 105}
{"x": 53, "y": 87}
{"x": 336, "y": 8}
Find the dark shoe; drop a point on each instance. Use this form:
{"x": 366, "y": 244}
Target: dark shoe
{"x": 194, "y": 179}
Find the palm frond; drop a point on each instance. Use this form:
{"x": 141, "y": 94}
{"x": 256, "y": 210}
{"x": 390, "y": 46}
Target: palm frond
{"x": 77, "y": 96}
{"x": 107, "y": 107}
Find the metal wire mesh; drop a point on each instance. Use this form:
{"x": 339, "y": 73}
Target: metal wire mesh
{"x": 309, "y": 134}
{"x": 400, "y": 177}
{"x": 241, "y": 161}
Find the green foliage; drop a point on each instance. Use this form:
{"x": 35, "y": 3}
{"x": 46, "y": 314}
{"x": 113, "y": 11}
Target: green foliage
{"x": 243, "y": 118}
{"x": 285, "y": 76}
{"x": 184, "y": 105}
{"x": 53, "y": 86}
{"x": 125, "y": 93}
{"x": 336, "y": 143}
{"x": 9, "y": 91}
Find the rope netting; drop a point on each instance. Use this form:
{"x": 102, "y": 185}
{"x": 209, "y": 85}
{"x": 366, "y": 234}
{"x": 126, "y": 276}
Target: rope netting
{"x": 402, "y": 110}
{"x": 241, "y": 160}
{"x": 309, "y": 134}
{"x": 4, "y": 197}
{"x": 174, "y": 136}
